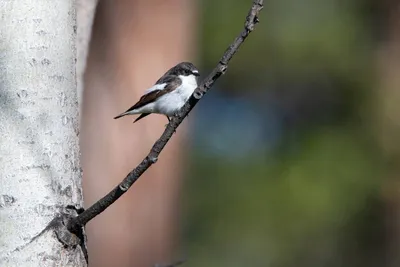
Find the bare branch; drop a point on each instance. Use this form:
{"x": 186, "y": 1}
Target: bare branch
{"x": 251, "y": 20}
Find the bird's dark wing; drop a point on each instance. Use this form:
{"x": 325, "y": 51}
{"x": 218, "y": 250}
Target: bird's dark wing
{"x": 169, "y": 79}
{"x": 172, "y": 82}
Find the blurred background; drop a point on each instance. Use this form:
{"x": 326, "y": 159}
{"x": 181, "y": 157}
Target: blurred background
{"x": 292, "y": 159}
{"x": 294, "y": 152}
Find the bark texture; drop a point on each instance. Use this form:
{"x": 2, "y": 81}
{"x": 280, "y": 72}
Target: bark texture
{"x": 39, "y": 153}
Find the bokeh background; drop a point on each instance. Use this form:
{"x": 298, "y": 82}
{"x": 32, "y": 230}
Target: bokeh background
{"x": 292, "y": 159}
{"x": 294, "y": 152}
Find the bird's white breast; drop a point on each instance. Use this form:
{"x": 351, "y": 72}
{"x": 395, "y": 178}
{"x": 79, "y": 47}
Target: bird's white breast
{"x": 171, "y": 102}
{"x": 189, "y": 84}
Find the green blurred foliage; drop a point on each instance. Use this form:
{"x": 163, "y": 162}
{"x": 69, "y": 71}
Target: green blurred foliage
{"x": 314, "y": 201}
{"x": 261, "y": 210}
{"x": 294, "y": 38}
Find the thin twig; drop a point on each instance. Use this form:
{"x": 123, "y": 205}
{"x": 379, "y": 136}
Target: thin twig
{"x": 98, "y": 207}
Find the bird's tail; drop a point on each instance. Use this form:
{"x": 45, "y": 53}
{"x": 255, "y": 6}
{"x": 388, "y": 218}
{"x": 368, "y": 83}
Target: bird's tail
{"x": 141, "y": 117}
{"x": 129, "y": 113}
{"x": 121, "y": 115}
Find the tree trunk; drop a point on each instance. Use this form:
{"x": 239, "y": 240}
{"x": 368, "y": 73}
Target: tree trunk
{"x": 39, "y": 153}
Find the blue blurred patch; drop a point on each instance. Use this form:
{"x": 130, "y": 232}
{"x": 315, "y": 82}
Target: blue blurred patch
{"x": 234, "y": 126}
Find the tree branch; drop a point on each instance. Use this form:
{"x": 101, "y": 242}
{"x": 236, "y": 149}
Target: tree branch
{"x": 251, "y": 20}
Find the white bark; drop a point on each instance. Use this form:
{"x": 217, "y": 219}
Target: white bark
{"x": 39, "y": 153}
{"x": 85, "y": 14}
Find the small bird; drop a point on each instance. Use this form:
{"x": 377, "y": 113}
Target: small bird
{"x": 168, "y": 95}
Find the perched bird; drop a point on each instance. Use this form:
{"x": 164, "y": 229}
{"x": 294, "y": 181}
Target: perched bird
{"x": 168, "y": 95}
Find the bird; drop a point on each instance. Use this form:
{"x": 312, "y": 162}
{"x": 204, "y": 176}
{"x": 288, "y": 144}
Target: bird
{"x": 168, "y": 95}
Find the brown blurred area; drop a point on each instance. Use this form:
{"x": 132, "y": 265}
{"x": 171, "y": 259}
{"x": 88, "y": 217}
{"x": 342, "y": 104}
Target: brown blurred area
{"x": 133, "y": 43}
{"x": 388, "y": 126}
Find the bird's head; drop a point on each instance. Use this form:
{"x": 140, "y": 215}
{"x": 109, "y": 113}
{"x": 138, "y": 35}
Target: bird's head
{"x": 185, "y": 69}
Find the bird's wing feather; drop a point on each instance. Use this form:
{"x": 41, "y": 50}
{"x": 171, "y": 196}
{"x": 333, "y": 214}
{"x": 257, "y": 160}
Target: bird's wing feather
{"x": 171, "y": 83}
{"x": 168, "y": 79}
{"x": 157, "y": 86}
{"x": 163, "y": 82}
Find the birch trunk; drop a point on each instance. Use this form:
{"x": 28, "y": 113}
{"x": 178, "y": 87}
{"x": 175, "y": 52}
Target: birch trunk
{"x": 39, "y": 153}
